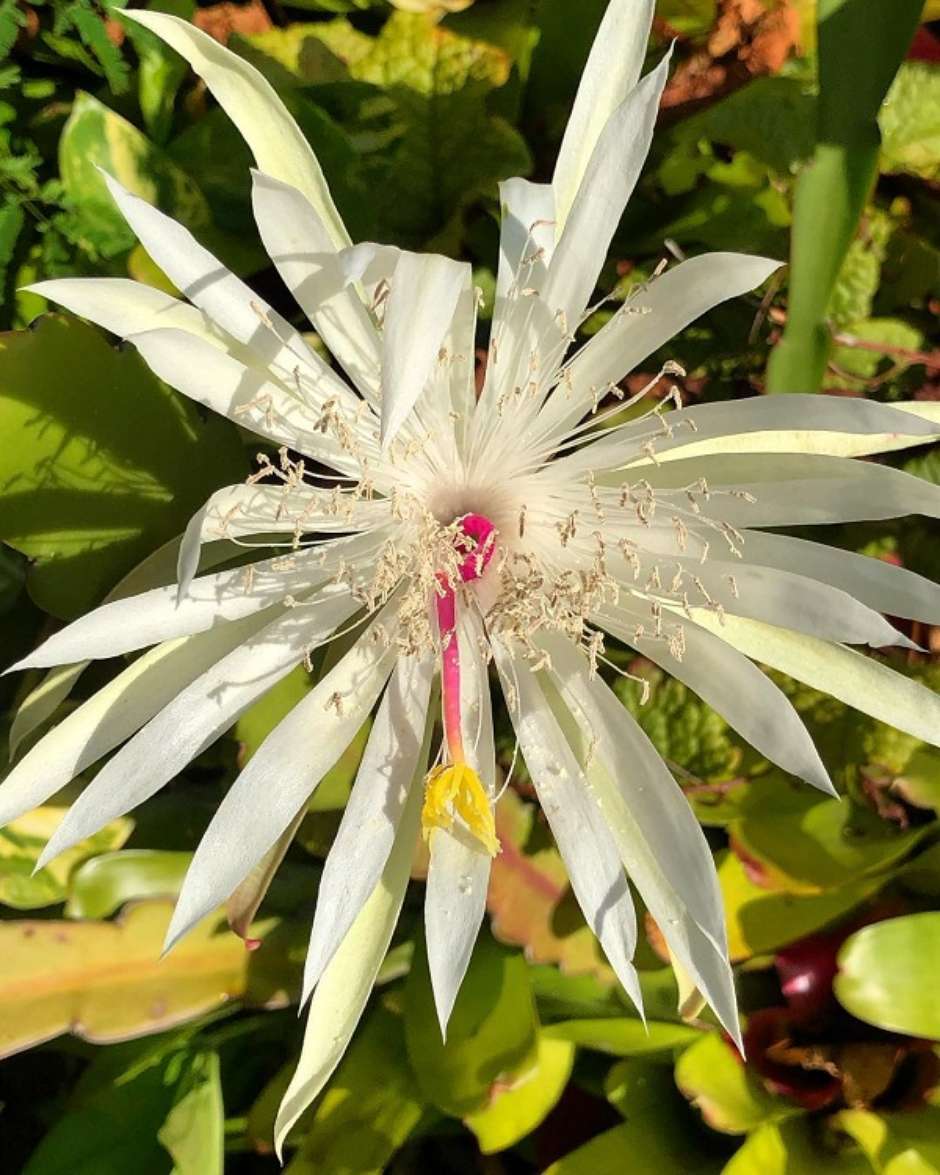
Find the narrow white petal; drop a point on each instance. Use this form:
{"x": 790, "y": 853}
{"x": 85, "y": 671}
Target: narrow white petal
{"x": 659, "y": 839}
{"x": 608, "y": 183}
{"x": 425, "y": 290}
{"x": 740, "y": 692}
{"x": 392, "y": 766}
{"x": 245, "y": 395}
{"x": 195, "y": 717}
{"x": 127, "y": 624}
{"x": 126, "y": 307}
{"x": 590, "y": 854}
{"x": 793, "y": 489}
{"x": 297, "y": 241}
{"x": 459, "y": 870}
{"x": 275, "y": 140}
{"x": 341, "y": 995}
{"x": 789, "y": 600}
{"x": 850, "y": 677}
{"x": 653, "y": 315}
{"x": 612, "y": 70}
{"x": 877, "y": 583}
{"x": 279, "y": 779}
{"x": 240, "y": 510}
{"x": 454, "y": 905}
{"x": 113, "y": 714}
{"x": 527, "y": 233}
{"x": 803, "y": 424}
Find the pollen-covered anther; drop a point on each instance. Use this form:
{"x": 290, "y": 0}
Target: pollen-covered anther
{"x": 457, "y": 791}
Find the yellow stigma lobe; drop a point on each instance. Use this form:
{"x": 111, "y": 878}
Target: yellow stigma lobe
{"x": 457, "y": 788}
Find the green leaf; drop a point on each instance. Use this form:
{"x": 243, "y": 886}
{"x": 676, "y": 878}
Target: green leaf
{"x": 108, "y": 463}
{"x": 515, "y": 1111}
{"x": 160, "y": 71}
{"x": 724, "y": 1091}
{"x": 860, "y": 47}
{"x": 194, "y": 1129}
{"x": 94, "y": 136}
{"x": 910, "y": 122}
{"x": 906, "y": 1143}
{"x": 864, "y": 362}
{"x": 760, "y": 921}
{"x": 23, "y": 840}
{"x": 99, "y": 887}
{"x": 887, "y": 974}
{"x": 796, "y": 1147}
{"x": 623, "y": 1037}
{"x": 492, "y": 1035}
{"x": 369, "y": 1108}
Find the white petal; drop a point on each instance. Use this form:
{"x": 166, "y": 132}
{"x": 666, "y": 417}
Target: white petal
{"x": 245, "y": 395}
{"x": 113, "y": 714}
{"x": 815, "y": 425}
{"x": 659, "y": 839}
{"x": 126, "y": 307}
{"x": 612, "y": 70}
{"x": 584, "y": 840}
{"x": 279, "y": 779}
{"x": 653, "y": 315}
{"x": 275, "y": 140}
{"x": 392, "y": 766}
{"x": 607, "y": 186}
{"x": 527, "y": 230}
{"x": 459, "y": 870}
{"x": 850, "y": 677}
{"x": 298, "y": 243}
{"x": 740, "y": 692}
{"x": 454, "y": 905}
{"x": 793, "y": 489}
{"x": 151, "y": 617}
{"x": 877, "y": 583}
{"x": 343, "y": 991}
{"x": 793, "y": 601}
{"x": 195, "y": 718}
{"x": 241, "y": 510}
{"x": 425, "y": 290}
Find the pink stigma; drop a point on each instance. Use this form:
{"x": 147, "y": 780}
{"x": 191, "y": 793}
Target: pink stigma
{"x": 476, "y": 540}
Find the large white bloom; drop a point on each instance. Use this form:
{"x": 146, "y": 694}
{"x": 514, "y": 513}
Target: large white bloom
{"x": 512, "y": 528}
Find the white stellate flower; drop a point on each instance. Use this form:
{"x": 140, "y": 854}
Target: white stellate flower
{"x": 439, "y": 531}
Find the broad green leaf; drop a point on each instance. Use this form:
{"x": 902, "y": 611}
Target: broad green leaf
{"x": 894, "y": 334}
{"x": 194, "y": 1129}
{"x": 807, "y": 844}
{"x": 660, "y": 1133}
{"x": 910, "y": 122}
{"x": 860, "y": 47}
{"x": 623, "y": 1037}
{"x": 762, "y": 920}
{"x": 560, "y": 996}
{"x": 106, "y": 981}
{"x": 23, "y": 840}
{"x": 492, "y": 1035}
{"x": 887, "y": 974}
{"x": 369, "y": 1108}
{"x": 102, "y": 885}
{"x": 94, "y": 137}
{"x": 108, "y": 463}
{"x": 515, "y": 1111}
{"x": 906, "y": 1143}
{"x": 795, "y": 1147}
{"x": 726, "y": 1093}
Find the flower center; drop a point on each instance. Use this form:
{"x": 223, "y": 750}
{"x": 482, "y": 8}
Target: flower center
{"x": 455, "y": 789}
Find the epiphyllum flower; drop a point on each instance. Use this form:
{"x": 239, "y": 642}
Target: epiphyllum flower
{"x": 522, "y": 527}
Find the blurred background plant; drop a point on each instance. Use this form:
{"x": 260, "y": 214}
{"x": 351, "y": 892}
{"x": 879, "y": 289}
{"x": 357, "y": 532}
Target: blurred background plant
{"x": 803, "y": 133}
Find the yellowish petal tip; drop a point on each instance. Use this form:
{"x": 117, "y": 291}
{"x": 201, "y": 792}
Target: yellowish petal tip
{"x": 457, "y": 790}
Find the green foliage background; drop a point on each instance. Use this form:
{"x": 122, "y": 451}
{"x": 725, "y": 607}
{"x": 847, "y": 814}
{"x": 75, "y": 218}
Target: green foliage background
{"x": 815, "y": 138}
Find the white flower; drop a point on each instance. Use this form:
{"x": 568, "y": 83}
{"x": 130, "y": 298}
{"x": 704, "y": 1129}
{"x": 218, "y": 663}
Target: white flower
{"x": 517, "y": 527}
